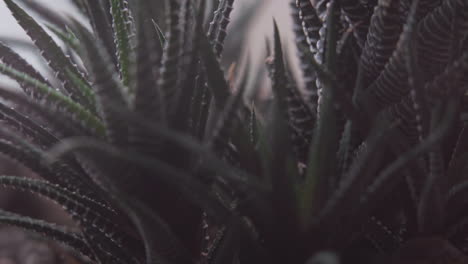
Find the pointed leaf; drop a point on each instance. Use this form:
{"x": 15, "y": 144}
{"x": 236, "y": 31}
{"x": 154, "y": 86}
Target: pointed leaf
{"x": 108, "y": 88}
{"x": 170, "y": 61}
{"x": 100, "y": 19}
{"x": 308, "y": 71}
{"x": 61, "y": 102}
{"x": 14, "y": 60}
{"x": 50, "y": 51}
{"x": 322, "y": 155}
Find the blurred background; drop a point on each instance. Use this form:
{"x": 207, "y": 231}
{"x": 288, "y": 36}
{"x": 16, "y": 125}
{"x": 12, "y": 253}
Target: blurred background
{"x": 259, "y": 27}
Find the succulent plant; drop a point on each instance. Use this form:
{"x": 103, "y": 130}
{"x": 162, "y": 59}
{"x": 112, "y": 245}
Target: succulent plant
{"x": 160, "y": 157}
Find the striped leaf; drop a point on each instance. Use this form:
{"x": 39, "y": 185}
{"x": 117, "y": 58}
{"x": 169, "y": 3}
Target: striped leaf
{"x": 359, "y": 18}
{"x": 310, "y": 22}
{"x": 218, "y": 40}
{"x": 94, "y": 224}
{"x": 26, "y": 154}
{"x": 308, "y": 73}
{"x": 324, "y": 144}
{"x": 420, "y": 105}
{"x": 54, "y": 232}
{"x": 434, "y": 53}
{"x": 108, "y": 87}
{"x": 14, "y": 60}
{"x": 216, "y": 35}
{"x": 50, "y": 51}
{"x": 100, "y": 19}
{"x": 148, "y": 101}
{"x": 170, "y": 61}
{"x": 123, "y": 33}
{"x": 58, "y": 123}
{"x": 66, "y": 36}
{"x": 384, "y": 31}
{"x": 282, "y": 179}
{"x": 27, "y": 127}
{"x": 59, "y": 102}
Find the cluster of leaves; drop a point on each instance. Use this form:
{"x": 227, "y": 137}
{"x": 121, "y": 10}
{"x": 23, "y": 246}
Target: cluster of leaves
{"x": 159, "y": 158}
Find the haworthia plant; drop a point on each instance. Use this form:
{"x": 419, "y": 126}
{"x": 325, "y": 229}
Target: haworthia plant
{"x": 162, "y": 155}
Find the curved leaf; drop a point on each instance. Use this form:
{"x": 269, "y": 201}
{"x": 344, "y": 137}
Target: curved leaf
{"x": 311, "y": 23}
{"x": 62, "y": 103}
{"x": 384, "y": 31}
{"x": 188, "y": 186}
{"x": 359, "y": 17}
{"x": 434, "y": 48}
{"x": 218, "y": 41}
{"x": 57, "y": 233}
{"x": 58, "y": 123}
{"x": 82, "y": 209}
{"x": 15, "y": 61}
{"x": 50, "y": 51}
{"x": 308, "y": 73}
{"x": 389, "y": 176}
{"x": 66, "y": 36}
